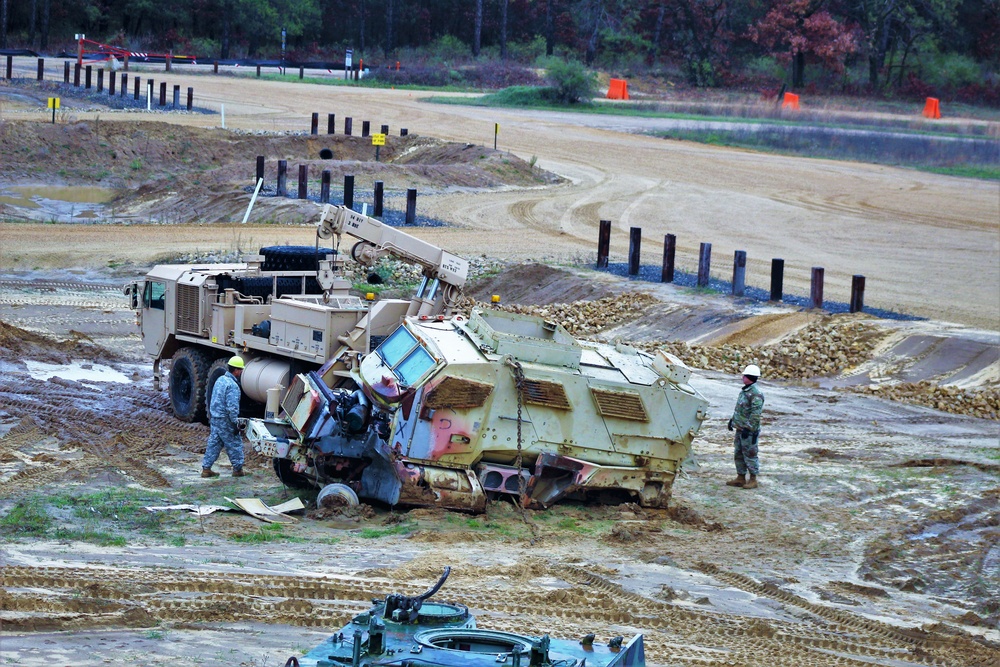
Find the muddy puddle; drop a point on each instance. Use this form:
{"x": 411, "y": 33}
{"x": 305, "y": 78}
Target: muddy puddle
{"x": 59, "y": 203}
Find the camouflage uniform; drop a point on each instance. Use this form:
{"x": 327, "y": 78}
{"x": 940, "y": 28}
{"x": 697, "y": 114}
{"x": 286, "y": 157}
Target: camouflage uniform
{"x": 746, "y": 420}
{"x": 223, "y": 411}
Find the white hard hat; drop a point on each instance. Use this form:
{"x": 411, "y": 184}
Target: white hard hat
{"x": 752, "y": 370}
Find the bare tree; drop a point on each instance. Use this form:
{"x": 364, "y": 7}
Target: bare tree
{"x": 3, "y": 24}
{"x": 503, "y": 29}
{"x": 550, "y": 33}
{"x": 389, "y": 6}
{"x": 46, "y": 11}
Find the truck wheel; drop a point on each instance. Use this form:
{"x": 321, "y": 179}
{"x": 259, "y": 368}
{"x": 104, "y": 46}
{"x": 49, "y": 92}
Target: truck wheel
{"x": 215, "y": 371}
{"x": 188, "y": 375}
{"x": 337, "y": 495}
{"x": 290, "y": 478}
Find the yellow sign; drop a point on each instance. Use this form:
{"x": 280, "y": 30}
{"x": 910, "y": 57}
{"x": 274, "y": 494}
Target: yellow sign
{"x": 53, "y": 102}
{"x": 496, "y": 128}
{"x": 378, "y": 140}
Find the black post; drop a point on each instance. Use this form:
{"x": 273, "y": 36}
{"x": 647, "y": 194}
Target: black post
{"x": 669, "y": 250}
{"x": 302, "y": 72}
{"x": 41, "y": 69}
{"x": 260, "y": 169}
{"x": 379, "y": 196}
{"x": 10, "y": 67}
{"x": 190, "y": 100}
{"x": 349, "y": 190}
{"x": 100, "y": 80}
{"x": 331, "y": 123}
{"x": 857, "y": 293}
{"x": 314, "y": 124}
{"x": 136, "y": 94}
{"x": 411, "y": 206}
{"x": 76, "y": 75}
{"x": 324, "y": 188}
{"x": 163, "y": 93}
{"x": 65, "y": 70}
{"x": 704, "y": 264}
{"x": 215, "y": 67}
{"x": 366, "y": 128}
{"x": 403, "y": 132}
{"x": 777, "y": 279}
{"x": 739, "y": 273}
{"x": 385, "y": 129}
{"x": 177, "y": 96}
{"x": 112, "y": 80}
{"x": 124, "y": 84}
{"x": 603, "y": 244}
{"x": 258, "y": 71}
{"x": 282, "y": 178}
{"x": 634, "y": 243}
{"x": 816, "y": 288}
{"x": 348, "y": 125}
{"x": 303, "y": 181}
{"x": 89, "y": 75}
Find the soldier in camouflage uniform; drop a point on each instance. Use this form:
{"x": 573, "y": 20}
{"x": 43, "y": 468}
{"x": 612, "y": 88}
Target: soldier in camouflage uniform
{"x": 746, "y": 422}
{"x": 223, "y": 411}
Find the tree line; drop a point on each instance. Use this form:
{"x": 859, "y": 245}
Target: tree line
{"x": 872, "y": 44}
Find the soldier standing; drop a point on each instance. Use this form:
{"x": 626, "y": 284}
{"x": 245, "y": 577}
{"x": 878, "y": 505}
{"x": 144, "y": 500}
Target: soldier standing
{"x": 223, "y": 411}
{"x": 746, "y": 422}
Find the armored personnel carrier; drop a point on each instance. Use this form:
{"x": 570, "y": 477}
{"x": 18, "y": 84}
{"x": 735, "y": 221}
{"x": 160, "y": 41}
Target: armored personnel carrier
{"x": 413, "y": 632}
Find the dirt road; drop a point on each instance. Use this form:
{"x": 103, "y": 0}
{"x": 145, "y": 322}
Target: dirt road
{"x": 928, "y": 244}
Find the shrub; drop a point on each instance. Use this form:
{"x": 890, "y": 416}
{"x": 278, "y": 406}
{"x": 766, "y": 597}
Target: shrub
{"x": 571, "y": 81}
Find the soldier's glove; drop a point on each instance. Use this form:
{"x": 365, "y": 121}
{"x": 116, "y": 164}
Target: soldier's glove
{"x": 730, "y": 425}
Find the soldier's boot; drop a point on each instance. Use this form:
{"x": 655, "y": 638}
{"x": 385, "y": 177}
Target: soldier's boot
{"x": 751, "y": 483}
{"x": 739, "y": 481}
{"x": 238, "y": 472}
{"x": 208, "y": 472}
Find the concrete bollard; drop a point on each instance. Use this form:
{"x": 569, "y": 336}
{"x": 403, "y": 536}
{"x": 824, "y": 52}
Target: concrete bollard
{"x": 324, "y": 188}
{"x": 669, "y": 250}
{"x": 777, "y": 279}
{"x": 331, "y": 123}
{"x": 190, "y": 99}
{"x": 348, "y": 126}
{"x": 704, "y": 264}
{"x": 314, "y": 124}
{"x": 411, "y": 206}
{"x": 379, "y": 196}
{"x": 857, "y": 293}
{"x": 303, "y": 181}
{"x": 260, "y": 169}
{"x": 349, "y": 190}
{"x": 603, "y": 244}
{"x": 634, "y": 245}
{"x": 816, "y": 288}
{"x": 739, "y": 272}
{"x": 282, "y": 178}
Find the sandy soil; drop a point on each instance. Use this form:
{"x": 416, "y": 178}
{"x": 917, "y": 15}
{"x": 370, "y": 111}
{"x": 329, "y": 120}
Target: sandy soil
{"x": 872, "y": 539}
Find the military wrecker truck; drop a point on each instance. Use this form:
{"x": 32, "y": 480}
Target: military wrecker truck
{"x": 411, "y": 402}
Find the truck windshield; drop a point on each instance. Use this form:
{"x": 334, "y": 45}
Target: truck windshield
{"x": 402, "y": 352}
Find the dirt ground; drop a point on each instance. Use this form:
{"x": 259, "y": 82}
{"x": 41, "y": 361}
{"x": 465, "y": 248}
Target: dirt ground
{"x": 872, "y": 540}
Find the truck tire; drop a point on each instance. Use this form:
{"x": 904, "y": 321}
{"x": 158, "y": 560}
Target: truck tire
{"x": 215, "y": 371}
{"x": 337, "y": 495}
{"x": 293, "y": 258}
{"x": 188, "y": 376}
{"x": 290, "y": 478}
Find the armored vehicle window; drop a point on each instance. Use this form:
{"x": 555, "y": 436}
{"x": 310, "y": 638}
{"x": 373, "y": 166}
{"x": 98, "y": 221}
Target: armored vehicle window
{"x": 153, "y": 296}
{"x": 414, "y": 366}
{"x": 394, "y": 348}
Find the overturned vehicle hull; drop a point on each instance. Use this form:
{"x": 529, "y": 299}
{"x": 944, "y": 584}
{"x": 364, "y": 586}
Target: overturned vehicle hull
{"x": 451, "y": 411}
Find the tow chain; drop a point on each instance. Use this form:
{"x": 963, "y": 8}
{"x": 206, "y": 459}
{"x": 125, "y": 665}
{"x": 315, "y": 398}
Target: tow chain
{"x": 518, "y": 373}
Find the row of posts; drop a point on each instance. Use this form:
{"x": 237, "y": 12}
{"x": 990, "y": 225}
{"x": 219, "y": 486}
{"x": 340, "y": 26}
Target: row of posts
{"x": 112, "y": 81}
{"x": 739, "y": 268}
{"x": 324, "y": 193}
{"x": 331, "y": 126}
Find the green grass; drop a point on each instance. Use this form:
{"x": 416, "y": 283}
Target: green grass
{"x": 98, "y": 537}
{"x": 972, "y": 171}
{"x": 375, "y": 533}
{"x": 27, "y": 518}
{"x": 272, "y": 532}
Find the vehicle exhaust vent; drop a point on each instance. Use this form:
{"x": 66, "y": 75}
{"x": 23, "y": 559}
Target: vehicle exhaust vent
{"x": 188, "y": 317}
{"x": 549, "y": 394}
{"x": 620, "y": 404}
{"x": 458, "y": 394}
